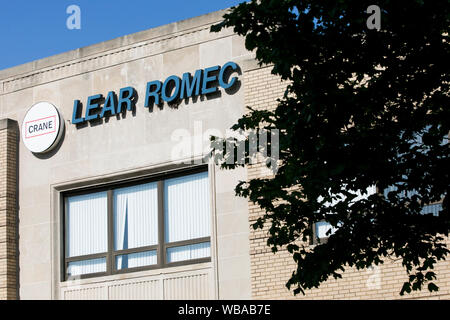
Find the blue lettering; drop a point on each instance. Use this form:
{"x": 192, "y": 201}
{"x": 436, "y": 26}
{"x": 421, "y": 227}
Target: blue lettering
{"x": 152, "y": 93}
{"x": 222, "y": 82}
{"x": 92, "y": 106}
{"x": 203, "y": 82}
{"x": 176, "y": 92}
{"x": 188, "y": 87}
{"x": 76, "y": 113}
{"x": 125, "y": 99}
{"x": 110, "y": 104}
{"x": 208, "y": 79}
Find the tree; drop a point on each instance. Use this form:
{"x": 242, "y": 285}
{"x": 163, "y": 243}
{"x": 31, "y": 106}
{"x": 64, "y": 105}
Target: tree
{"x": 363, "y": 107}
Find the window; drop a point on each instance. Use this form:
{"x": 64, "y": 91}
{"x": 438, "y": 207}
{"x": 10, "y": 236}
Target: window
{"x": 321, "y": 228}
{"x": 417, "y": 142}
{"x": 153, "y": 224}
{"x": 433, "y": 208}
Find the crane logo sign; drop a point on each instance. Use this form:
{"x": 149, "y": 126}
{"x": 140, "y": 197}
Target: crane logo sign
{"x": 42, "y": 127}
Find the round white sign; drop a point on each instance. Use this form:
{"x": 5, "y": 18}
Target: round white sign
{"x": 42, "y": 127}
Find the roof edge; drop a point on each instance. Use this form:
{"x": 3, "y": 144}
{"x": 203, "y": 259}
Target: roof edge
{"x": 126, "y": 40}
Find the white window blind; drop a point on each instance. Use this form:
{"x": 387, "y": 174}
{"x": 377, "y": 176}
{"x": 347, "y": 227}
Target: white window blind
{"x": 189, "y": 252}
{"x": 187, "y": 215}
{"x": 87, "y": 232}
{"x": 87, "y": 225}
{"x": 77, "y": 268}
{"x": 136, "y": 224}
{"x": 136, "y": 216}
{"x": 138, "y": 259}
{"x": 322, "y": 228}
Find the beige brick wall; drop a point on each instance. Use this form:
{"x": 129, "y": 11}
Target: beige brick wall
{"x": 8, "y": 209}
{"x": 270, "y": 272}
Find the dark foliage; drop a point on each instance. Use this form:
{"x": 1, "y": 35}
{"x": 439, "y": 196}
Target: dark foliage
{"x": 362, "y": 108}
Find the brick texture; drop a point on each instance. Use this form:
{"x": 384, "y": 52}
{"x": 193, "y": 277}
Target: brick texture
{"x": 8, "y": 209}
{"x": 270, "y": 272}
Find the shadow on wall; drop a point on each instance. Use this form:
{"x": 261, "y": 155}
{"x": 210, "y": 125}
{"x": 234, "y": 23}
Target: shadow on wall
{"x": 51, "y": 153}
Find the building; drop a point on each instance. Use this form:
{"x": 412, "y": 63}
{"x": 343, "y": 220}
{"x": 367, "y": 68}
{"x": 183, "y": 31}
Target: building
{"x": 111, "y": 205}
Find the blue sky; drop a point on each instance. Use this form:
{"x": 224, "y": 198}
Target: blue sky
{"x": 32, "y": 30}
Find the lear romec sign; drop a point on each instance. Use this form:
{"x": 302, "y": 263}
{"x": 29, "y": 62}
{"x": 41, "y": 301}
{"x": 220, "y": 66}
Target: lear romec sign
{"x": 172, "y": 90}
{"x": 42, "y": 127}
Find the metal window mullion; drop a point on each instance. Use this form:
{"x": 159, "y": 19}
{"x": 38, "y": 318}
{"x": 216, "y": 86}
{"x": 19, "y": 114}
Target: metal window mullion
{"x": 109, "y": 254}
{"x": 188, "y": 242}
{"x": 161, "y": 255}
{"x": 86, "y": 276}
{"x": 65, "y": 241}
{"x": 66, "y": 270}
{"x": 135, "y": 250}
{"x": 87, "y": 257}
{"x": 314, "y": 236}
{"x": 188, "y": 262}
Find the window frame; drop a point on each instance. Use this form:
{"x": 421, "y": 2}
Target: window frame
{"x": 315, "y": 240}
{"x": 111, "y": 254}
